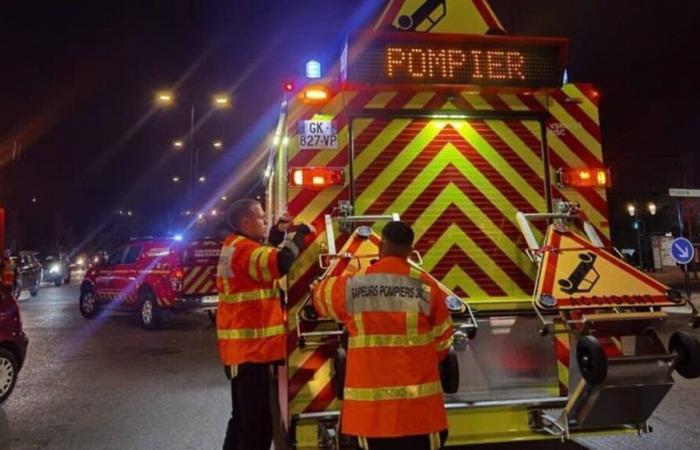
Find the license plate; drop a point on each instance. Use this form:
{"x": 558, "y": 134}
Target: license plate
{"x": 210, "y": 300}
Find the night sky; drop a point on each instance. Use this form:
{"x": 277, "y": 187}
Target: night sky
{"x": 78, "y": 79}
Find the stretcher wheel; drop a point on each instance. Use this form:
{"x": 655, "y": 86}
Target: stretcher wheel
{"x": 688, "y": 349}
{"x": 449, "y": 372}
{"x": 591, "y": 359}
{"x": 339, "y": 372}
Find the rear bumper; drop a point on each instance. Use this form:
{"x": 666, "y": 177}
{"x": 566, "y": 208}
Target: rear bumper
{"x": 190, "y": 303}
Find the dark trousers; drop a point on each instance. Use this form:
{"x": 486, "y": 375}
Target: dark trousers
{"x": 420, "y": 442}
{"x": 250, "y": 426}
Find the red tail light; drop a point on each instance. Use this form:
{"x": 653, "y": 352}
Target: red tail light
{"x": 316, "y": 177}
{"x": 596, "y": 177}
{"x": 177, "y": 275}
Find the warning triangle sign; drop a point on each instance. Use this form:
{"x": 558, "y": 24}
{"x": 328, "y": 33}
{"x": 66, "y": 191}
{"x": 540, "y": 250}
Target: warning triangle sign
{"x": 574, "y": 274}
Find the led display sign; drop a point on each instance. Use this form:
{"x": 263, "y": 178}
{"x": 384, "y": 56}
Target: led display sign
{"x": 422, "y": 58}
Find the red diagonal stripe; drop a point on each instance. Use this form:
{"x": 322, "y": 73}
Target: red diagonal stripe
{"x": 485, "y": 14}
{"x": 418, "y": 164}
{"x": 456, "y": 257}
{"x": 453, "y": 215}
{"x": 577, "y": 113}
{"x": 306, "y": 371}
{"x": 322, "y": 400}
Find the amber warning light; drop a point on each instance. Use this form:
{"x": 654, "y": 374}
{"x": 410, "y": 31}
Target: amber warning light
{"x": 316, "y": 177}
{"x": 586, "y": 177}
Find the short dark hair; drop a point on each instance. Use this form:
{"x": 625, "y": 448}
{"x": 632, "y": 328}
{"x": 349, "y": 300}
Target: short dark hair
{"x": 238, "y": 210}
{"x": 398, "y": 233}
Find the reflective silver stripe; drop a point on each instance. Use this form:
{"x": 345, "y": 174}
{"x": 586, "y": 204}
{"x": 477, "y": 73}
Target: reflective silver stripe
{"x": 251, "y": 333}
{"x": 260, "y": 294}
{"x": 393, "y": 392}
{"x": 386, "y": 292}
{"x": 389, "y": 340}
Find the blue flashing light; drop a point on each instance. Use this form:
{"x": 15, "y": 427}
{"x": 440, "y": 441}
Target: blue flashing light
{"x": 177, "y": 237}
{"x": 566, "y": 77}
{"x": 313, "y": 69}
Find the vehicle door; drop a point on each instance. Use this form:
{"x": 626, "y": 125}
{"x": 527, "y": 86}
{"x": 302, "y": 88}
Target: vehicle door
{"x": 125, "y": 274}
{"x": 28, "y": 269}
{"x": 105, "y": 272}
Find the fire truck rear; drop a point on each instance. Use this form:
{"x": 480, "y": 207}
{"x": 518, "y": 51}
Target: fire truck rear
{"x": 436, "y": 117}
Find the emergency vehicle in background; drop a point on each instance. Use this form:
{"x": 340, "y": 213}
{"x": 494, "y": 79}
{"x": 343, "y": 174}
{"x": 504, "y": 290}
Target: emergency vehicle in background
{"x": 435, "y": 116}
{"x": 154, "y": 277}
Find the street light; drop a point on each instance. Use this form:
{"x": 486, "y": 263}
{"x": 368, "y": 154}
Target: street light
{"x": 218, "y": 144}
{"x": 176, "y": 179}
{"x": 202, "y": 179}
{"x": 167, "y": 99}
{"x": 639, "y": 225}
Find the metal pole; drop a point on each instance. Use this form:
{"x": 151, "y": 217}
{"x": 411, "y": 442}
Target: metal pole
{"x": 193, "y": 162}
{"x": 638, "y": 226}
{"x": 686, "y": 276}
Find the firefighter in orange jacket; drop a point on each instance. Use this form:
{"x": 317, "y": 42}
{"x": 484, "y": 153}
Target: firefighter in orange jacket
{"x": 250, "y": 321}
{"x": 399, "y": 330}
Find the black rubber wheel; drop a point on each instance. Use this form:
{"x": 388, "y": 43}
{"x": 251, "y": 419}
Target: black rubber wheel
{"x": 688, "y": 349}
{"x": 449, "y": 372}
{"x": 149, "y": 313}
{"x": 339, "y": 373}
{"x": 591, "y": 360}
{"x": 211, "y": 313}
{"x": 9, "y": 368}
{"x": 89, "y": 307}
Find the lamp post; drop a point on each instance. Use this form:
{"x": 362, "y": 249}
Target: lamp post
{"x": 167, "y": 99}
{"x": 639, "y": 225}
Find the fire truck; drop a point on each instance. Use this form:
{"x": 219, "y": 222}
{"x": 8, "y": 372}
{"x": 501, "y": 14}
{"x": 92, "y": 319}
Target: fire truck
{"x": 154, "y": 277}
{"x": 435, "y": 116}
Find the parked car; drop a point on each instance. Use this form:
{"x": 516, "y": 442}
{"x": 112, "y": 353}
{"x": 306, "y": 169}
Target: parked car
{"x": 28, "y": 273}
{"x": 153, "y": 277}
{"x": 57, "y": 269}
{"x": 13, "y": 343}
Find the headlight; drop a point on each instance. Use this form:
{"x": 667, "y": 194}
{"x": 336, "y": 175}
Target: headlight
{"x": 80, "y": 262}
{"x": 55, "y": 268}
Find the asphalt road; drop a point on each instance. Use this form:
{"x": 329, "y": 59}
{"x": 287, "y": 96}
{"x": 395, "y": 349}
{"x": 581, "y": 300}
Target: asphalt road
{"x": 108, "y": 384}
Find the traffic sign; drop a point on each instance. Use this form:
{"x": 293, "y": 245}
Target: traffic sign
{"x": 575, "y": 274}
{"x": 688, "y": 193}
{"x": 682, "y": 250}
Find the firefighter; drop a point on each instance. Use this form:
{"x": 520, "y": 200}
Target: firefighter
{"x": 399, "y": 330}
{"x": 250, "y": 321}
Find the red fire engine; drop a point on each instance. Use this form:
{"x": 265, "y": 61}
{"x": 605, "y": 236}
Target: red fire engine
{"x": 154, "y": 277}
{"x": 436, "y": 117}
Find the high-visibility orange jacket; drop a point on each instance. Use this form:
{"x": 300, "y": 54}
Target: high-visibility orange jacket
{"x": 249, "y": 320}
{"x": 399, "y": 329}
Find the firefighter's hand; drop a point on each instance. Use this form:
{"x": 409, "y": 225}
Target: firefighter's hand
{"x": 305, "y": 228}
{"x": 284, "y": 223}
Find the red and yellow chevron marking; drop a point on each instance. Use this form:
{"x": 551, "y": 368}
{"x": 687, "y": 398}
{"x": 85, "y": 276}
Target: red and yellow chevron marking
{"x": 199, "y": 280}
{"x": 459, "y": 182}
{"x": 459, "y": 186}
{"x": 441, "y": 16}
